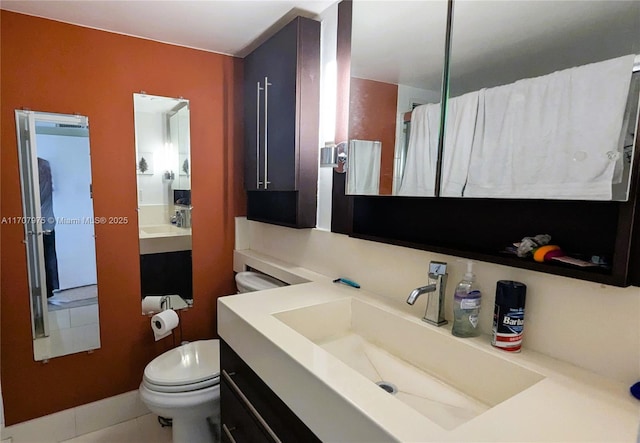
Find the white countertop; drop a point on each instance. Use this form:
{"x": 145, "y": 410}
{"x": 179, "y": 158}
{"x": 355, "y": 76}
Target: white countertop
{"x": 166, "y": 237}
{"x": 162, "y": 230}
{"x": 339, "y": 404}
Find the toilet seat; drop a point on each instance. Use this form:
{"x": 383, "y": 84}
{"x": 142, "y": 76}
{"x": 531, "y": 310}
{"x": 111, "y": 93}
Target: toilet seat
{"x": 183, "y": 387}
{"x": 249, "y": 281}
{"x": 189, "y": 367}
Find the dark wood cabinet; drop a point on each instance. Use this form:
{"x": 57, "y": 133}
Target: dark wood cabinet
{"x": 251, "y": 411}
{"x": 167, "y": 273}
{"x": 481, "y": 229}
{"x": 281, "y": 115}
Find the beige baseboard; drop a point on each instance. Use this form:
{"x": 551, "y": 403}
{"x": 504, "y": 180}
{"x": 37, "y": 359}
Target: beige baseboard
{"x": 80, "y": 420}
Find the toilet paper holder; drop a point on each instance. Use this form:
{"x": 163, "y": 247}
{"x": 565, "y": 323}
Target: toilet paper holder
{"x": 152, "y": 304}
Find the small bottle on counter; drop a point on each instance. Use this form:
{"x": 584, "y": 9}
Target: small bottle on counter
{"x": 508, "y": 315}
{"x": 466, "y": 306}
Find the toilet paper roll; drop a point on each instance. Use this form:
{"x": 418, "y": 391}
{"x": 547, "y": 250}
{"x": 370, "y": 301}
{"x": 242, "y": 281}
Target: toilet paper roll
{"x": 153, "y": 303}
{"x": 163, "y": 323}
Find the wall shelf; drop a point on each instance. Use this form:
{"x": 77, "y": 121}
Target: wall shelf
{"x": 598, "y": 275}
{"x": 480, "y": 229}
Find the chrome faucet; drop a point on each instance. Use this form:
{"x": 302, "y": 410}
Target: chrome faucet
{"x": 434, "y": 313}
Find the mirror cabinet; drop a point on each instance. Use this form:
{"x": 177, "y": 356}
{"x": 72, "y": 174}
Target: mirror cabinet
{"x": 392, "y": 73}
{"x": 548, "y": 109}
{"x": 521, "y": 56}
{"x": 538, "y": 105}
{"x": 281, "y": 96}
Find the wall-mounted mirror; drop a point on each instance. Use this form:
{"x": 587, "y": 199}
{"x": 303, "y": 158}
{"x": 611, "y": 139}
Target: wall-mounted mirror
{"x": 494, "y": 44}
{"x": 543, "y": 103}
{"x": 55, "y": 177}
{"x": 397, "y": 60}
{"x": 163, "y": 170}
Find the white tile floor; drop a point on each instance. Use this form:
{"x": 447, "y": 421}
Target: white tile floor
{"x": 144, "y": 429}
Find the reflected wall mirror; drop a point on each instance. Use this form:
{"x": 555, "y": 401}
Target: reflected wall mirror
{"x": 495, "y": 44}
{"x": 163, "y": 171}
{"x": 55, "y": 177}
{"x": 397, "y": 61}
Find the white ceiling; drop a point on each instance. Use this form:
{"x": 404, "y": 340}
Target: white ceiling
{"x": 232, "y": 27}
{"x": 396, "y": 41}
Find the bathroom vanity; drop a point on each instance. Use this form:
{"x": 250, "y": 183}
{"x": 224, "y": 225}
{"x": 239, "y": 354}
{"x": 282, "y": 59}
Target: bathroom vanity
{"x": 252, "y": 411}
{"x": 321, "y": 348}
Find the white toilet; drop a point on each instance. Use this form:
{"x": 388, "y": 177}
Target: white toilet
{"x": 184, "y": 383}
{"x": 254, "y": 281}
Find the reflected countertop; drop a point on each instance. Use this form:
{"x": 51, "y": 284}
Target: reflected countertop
{"x": 161, "y": 238}
{"x": 162, "y": 230}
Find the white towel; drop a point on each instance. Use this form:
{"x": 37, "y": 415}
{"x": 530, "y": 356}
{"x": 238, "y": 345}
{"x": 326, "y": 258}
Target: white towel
{"x": 553, "y": 137}
{"x": 363, "y": 171}
{"x": 462, "y": 113}
{"x": 627, "y": 135}
{"x": 422, "y": 152}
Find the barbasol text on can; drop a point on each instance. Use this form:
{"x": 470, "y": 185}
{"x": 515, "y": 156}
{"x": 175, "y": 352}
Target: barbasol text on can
{"x": 508, "y": 315}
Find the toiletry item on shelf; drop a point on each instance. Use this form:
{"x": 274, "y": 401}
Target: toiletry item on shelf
{"x": 575, "y": 261}
{"x": 508, "y": 315}
{"x": 540, "y": 249}
{"x": 527, "y": 245}
{"x": 547, "y": 252}
{"x": 466, "y": 306}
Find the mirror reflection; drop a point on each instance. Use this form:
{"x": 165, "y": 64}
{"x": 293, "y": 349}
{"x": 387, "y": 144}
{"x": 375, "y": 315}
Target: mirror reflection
{"x": 397, "y": 58}
{"x": 163, "y": 168}
{"x": 514, "y": 128}
{"x": 55, "y": 176}
{"x": 543, "y": 103}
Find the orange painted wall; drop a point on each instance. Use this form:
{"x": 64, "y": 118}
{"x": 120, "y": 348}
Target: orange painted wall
{"x": 372, "y": 116}
{"x": 56, "y": 67}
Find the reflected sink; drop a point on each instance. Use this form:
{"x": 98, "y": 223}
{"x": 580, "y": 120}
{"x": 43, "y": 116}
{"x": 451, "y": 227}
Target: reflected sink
{"x": 444, "y": 378}
{"x": 155, "y": 239}
{"x": 165, "y": 229}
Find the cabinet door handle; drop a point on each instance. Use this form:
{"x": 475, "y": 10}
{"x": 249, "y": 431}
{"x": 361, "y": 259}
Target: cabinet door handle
{"x": 266, "y": 126}
{"x": 249, "y": 406}
{"x": 258, "y": 89}
{"x": 227, "y": 432}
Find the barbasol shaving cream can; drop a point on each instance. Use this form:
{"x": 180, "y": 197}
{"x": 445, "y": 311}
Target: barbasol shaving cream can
{"x": 508, "y": 315}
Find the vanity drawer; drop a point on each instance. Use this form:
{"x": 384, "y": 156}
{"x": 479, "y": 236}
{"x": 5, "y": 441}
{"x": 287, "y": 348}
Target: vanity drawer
{"x": 238, "y": 424}
{"x": 238, "y": 380}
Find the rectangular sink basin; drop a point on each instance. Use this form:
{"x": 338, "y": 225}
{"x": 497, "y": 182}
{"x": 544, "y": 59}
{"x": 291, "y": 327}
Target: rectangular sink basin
{"x": 155, "y": 239}
{"x": 440, "y": 376}
{"x": 165, "y": 229}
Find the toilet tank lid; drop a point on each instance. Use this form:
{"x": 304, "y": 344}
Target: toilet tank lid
{"x": 257, "y": 281}
{"x": 190, "y": 363}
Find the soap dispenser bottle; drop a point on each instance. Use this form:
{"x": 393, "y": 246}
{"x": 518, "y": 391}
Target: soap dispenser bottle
{"x": 466, "y": 306}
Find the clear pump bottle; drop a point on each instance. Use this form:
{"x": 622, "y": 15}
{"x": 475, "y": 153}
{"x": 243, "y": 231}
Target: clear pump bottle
{"x": 466, "y": 306}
